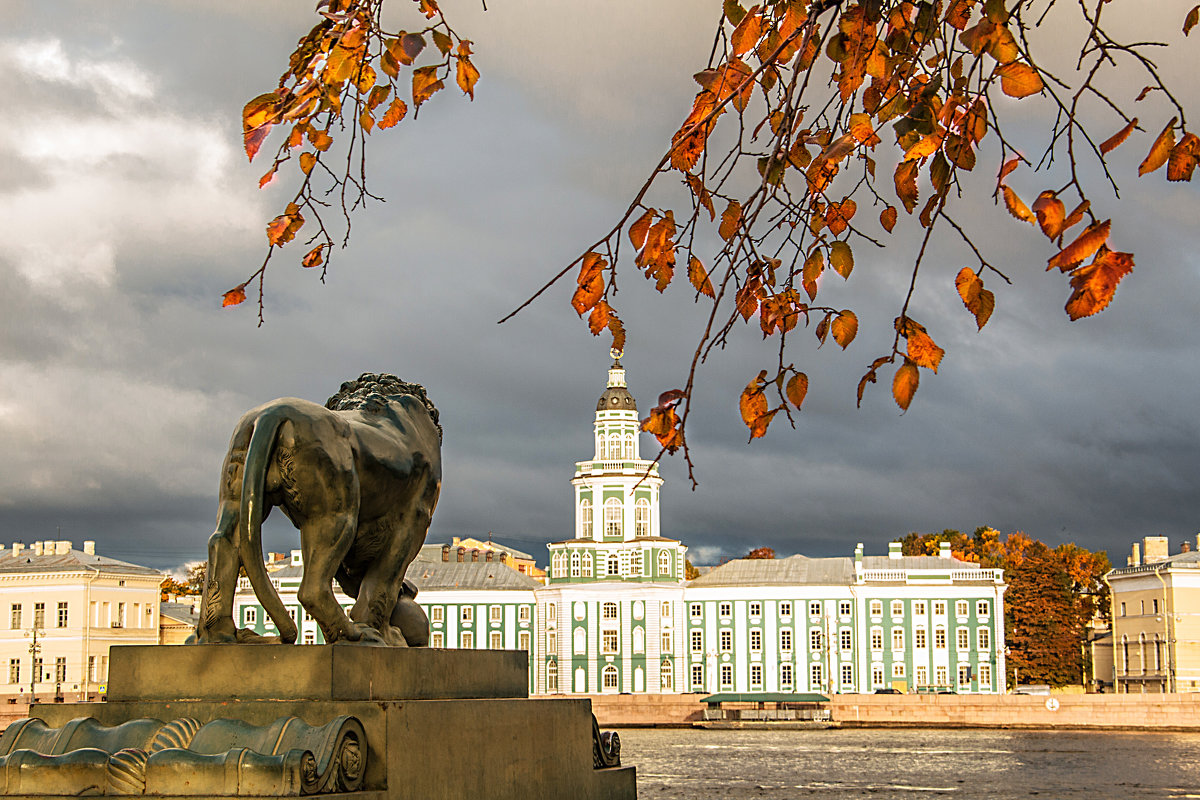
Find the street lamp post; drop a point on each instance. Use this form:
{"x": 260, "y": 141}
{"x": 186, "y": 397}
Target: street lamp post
{"x": 35, "y": 650}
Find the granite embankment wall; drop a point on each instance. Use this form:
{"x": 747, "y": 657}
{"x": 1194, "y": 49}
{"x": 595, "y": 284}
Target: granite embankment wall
{"x": 1070, "y": 711}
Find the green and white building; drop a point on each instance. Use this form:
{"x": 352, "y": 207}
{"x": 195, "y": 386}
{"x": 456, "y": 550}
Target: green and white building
{"x": 617, "y": 614}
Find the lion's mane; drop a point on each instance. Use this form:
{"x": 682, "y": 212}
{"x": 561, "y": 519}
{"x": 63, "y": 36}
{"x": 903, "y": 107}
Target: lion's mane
{"x": 371, "y": 392}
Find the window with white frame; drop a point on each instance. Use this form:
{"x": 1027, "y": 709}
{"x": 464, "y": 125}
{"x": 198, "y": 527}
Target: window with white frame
{"x": 785, "y": 676}
{"x": 614, "y": 446}
{"x": 551, "y": 642}
{"x": 310, "y": 637}
{"x": 585, "y": 518}
{"x": 985, "y": 677}
{"x": 664, "y": 562}
{"x": 639, "y": 640}
{"x": 602, "y": 447}
{"x": 964, "y": 676}
{"x": 963, "y": 639}
{"x": 697, "y": 641}
{"x": 755, "y": 608}
{"x": 522, "y": 613}
{"x": 437, "y": 639}
{"x": 983, "y": 638}
{"x": 897, "y": 669}
{"x": 785, "y": 608}
{"x": 939, "y": 638}
{"x": 846, "y": 638}
{"x": 552, "y": 676}
{"x": 696, "y": 610}
{"x": 756, "y": 676}
{"x": 666, "y": 676}
{"x": 575, "y": 564}
{"x": 814, "y": 640}
{"x": 523, "y": 641}
{"x": 62, "y": 615}
{"x": 814, "y": 608}
{"x": 609, "y": 675}
{"x": 726, "y": 676}
{"x": 497, "y": 641}
{"x": 847, "y": 674}
{"x": 635, "y": 564}
{"x": 612, "y": 517}
{"x": 919, "y": 639}
{"x": 919, "y": 608}
{"x": 587, "y": 565}
{"x": 876, "y": 608}
{"x": 844, "y": 608}
{"x": 495, "y": 613}
{"x": 14, "y": 670}
{"x": 466, "y": 640}
{"x": 580, "y": 641}
{"x": 666, "y": 642}
{"x": 725, "y": 609}
{"x": 897, "y": 608}
{"x": 897, "y": 638}
{"x": 816, "y": 676}
{"x": 726, "y": 639}
{"x": 939, "y": 608}
{"x": 922, "y": 676}
{"x": 16, "y": 617}
{"x": 608, "y": 611}
{"x": 608, "y": 642}
{"x": 942, "y": 679}
{"x": 614, "y": 564}
{"x": 468, "y": 613}
{"x": 785, "y": 639}
{"x": 641, "y": 517}
{"x": 436, "y": 614}
{"x": 876, "y": 675}
{"x": 697, "y": 676}
{"x": 250, "y": 614}
{"x": 961, "y": 608}
{"x": 756, "y": 641}
{"x": 551, "y": 612}
{"x": 982, "y": 608}
{"x": 665, "y": 609}
{"x": 876, "y": 638}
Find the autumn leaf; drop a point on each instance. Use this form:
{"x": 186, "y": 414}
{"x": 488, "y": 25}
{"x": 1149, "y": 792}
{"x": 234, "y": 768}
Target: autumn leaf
{"x": 838, "y": 216}
{"x": 1182, "y": 162}
{"x": 906, "y": 184}
{"x": 467, "y": 76}
{"x": 699, "y": 277}
{"x": 844, "y": 328}
{"x": 394, "y": 113}
{"x": 1160, "y": 151}
{"x": 664, "y": 424}
{"x": 425, "y": 83}
{"x": 1114, "y": 141}
{"x": 1019, "y": 80}
{"x": 1095, "y": 284}
{"x": 925, "y": 147}
{"x": 600, "y": 317}
{"x": 639, "y": 229}
{"x": 320, "y": 140}
{"x": 1190, "y": 20}
{"x": 841, "y": 259}
{"x": 978, "y": 300}
{"x": 1050, "y": 214}
{"x": 268, "y": 177}
{"x": 746, "y": 35}
{"x": 591, "y": 284}
{"x": 1088, "y": 242}
{"x": 922, "y": 350}
{"x": 797, "y": 389}
{"x": 814, "y": 265}
{"x": 1076, "y": 215}
{"x": 731, "y": 219}
{"x": 307, "y": 162}
{"x": 753, "y": 406}
{"x": 282, "y": 229}
{"x": 1016, "y": 207}
{"x": 1007, "y": 169}
{"x": 258, "y": 116}
{"x": 904, "y": 384}
{"x": 887, "y": 218}
{"x": 314, "y": 257}
{"x": 234, "y": 296}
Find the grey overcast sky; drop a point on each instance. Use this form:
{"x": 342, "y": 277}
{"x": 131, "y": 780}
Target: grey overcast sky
{"x": 128, "y": 208}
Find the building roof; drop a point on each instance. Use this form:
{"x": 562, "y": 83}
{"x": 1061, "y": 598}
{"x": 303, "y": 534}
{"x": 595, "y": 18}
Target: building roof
{"x": 71, "y": 561}
{"x": 180, "y": 612}
{"x": 1190, "y": 560}
{"x": 634, "y": 540}
{"x": 434, "y": 550}
{"x": 916, "y": 562}
{"x": 778, "y": 572}
{"x": 434, "y": 574}
{"x": 616, "y": 398}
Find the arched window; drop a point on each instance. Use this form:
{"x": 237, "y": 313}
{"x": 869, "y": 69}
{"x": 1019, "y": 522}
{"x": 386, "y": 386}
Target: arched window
{"x": 587, "y": 565}
{"x": 666, "y": 678}
{"x": 635, "y": 564}
{"x": 585, "y": 518}
{"x": 614, "y": 446}
{"x": 614, "y": 564}
{"x": 612, "y": 517}
{"x": 629, "y": 446}
{"x": 575, "y": 564}
{"x": 580, "y": 641}
{"x": 601, "y": 447}
{"x": 610, "y": 678}
{"x": 641, "y": 517}
{"x": 639, "y": 640}
{"x": 552, "y": 677}
{"x": 664, "y": 562}
{"x": 580, "y": 680}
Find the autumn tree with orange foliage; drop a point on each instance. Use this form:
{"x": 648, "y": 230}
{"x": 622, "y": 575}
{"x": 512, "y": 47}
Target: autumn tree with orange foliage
{"x": 1053, "y": 593}
{"x": 816, "y": 123}
{"x": 761, "y": 552}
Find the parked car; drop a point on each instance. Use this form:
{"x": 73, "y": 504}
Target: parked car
{"x": 888, "y": 691}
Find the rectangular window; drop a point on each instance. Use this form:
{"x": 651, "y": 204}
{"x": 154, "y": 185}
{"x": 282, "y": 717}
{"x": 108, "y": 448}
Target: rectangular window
{"x": 961, "y": 608}
{"x": 497, "y": 641}
{"x": 963, "y": 639}
{"x": 897, "y": 608}
{"x": 250, "y": 614}
{"x": 14, "y": 670}
{"x": 697, "y": 641}
{"x": 876, "y": 675}
{"x": 814, "y": 640}
{"x": 437, "y": 639}
{"x": 310, "y": 637}
{"x": 922, "y": 677}
{"x": 814, "y": 608}
{"x": 897, "y": 638}
{"x": 587, "y": 565}
{"x": 468, "y": 613}
{"x": 816, "y": 677}
{"x": 39, "y": 615}
{"x": 16, "y": 616}
{"x": 697, "y": 676}
{"x": 942, "y": 679}
{"x": 551, "y": 612}
{"x": 844, "y": 608}
{"x": 877, "y": 638}
{"x": 725, "y": 609}
{"x": 847, "y": 639}
{"x": 756, "y": 641}
{"x": 495, "y": 613}
{"x": 939, "y": 608}
{"x": 939, "y": 638}
{"x": 666, "y": 642}
{"x": 551, "y": 642}
{"x": 436, "y": 614}
{"x": 876, "y": 608}
{"x": 1154, "y": 605}
{"x": 983, "y": 638}
{"x": 785, "y": 608}
{"x": 119, "y": 622}
{"x": 726, "y": 641}
{"x": 919, "y": 608}
{"x": 1122, "y": 609}
{"x": 91, "y": 673}
{"x": 523, "y": 614}
{"x": 985, "y": 677}
{"x": 60, "y": 669}
{"x": 466, "y": 640}
{"x": 964, "y": 677}
{"x": 38, "y": 675}
{"x": 62, "y": 615}
{"x": 665, "y": 611}
{"x": 726, "y": 676}
{"x": 697, "y": 610}
{"x": 785, "y": 676}
{"x": 919, "y": 640}
{"x": 608, "y": 642}
{"x": 608, "y": 611}
{"x": 847, "y": 674}
{"x": 785, "y": 639}
{"x": 756, "y": 609}
{"x": 897, "y": 669}
{"x": 981, "y": 608}
{"x": 756, "y": 676}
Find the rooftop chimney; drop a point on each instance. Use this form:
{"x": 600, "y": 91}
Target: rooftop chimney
{"x": 1135, "y": 558}
{"x": 89, "y": 547}
{"x": 62, "y": 548}
{"x": 454, "y": 540}
{"x": 17, "y": 548}
{"x": 297, "y": 558}
{"x": 858, "y": 554}
{"x": 944, "y": 550}
{"x": 37, "y": 548}
{"x": 895, "y": 549}
{"x": 1155, "y": 548}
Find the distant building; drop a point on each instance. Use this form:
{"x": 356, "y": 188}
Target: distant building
{"x": 521, "y": 562}
{"x": 79, "y": 604}
{"x": 176, "y": 622}
{"x": 1156, "y": 618}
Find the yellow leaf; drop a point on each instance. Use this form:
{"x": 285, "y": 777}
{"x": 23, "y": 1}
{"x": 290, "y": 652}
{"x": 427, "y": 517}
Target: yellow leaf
{"x": 394, "y": 114}
{"x": 906, "y": 184}
{"x": 838, "y": 216}
{"x": 314, "y": 257}
{"x": 467, "y": 76}
{"x": 753, "y": 402}
{"x": 699, "y": 277}
{"x": 1016, "y": 207}
{"x": 926, "y": 147}
{"x": 904, "y": 385}
{"x": 1088, "y": 242}
{"x": 639, "y": 229}
{"x": 844, "y": 328}
{"x": 307, "y": 162}
{"x": 841, "y": 258}
{"x": 1160, "y": 151}
{"x": 797, "y": 388}
{"x": 1019, "y": 80}
{"x": 978, "y": 300}
{"x": 731, "y": 220}
{"x": 1114, "y": 141}
{"x": 425, "y": 83}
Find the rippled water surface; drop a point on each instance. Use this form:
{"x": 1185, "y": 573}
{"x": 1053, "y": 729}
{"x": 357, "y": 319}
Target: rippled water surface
{"x": 910, "y": 764}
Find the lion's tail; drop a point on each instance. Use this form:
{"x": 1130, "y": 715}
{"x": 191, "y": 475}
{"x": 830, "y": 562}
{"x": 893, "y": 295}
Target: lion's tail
{"x": 254, "y": 479}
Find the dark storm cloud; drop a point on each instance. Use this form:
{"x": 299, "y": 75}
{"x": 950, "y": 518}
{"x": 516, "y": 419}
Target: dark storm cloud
{"x": 120, "y": 382}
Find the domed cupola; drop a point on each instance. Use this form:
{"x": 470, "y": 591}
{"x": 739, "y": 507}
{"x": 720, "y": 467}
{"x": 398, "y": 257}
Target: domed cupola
{"x": 616, "y": 397}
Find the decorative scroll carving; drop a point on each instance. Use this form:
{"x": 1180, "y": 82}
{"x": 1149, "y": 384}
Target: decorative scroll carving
{"x": 606, "y": 747}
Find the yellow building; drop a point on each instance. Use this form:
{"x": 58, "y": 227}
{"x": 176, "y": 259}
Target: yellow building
{"x": 1156, "y": 618}
{"x": 510, "y": 557}
{"x": 61, "y": 609}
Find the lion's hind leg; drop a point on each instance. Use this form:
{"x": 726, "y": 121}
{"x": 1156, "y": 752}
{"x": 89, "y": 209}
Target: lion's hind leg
{"x": 325, "y": 542}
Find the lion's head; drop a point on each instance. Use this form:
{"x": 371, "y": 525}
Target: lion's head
{"x": 372, "y": 392}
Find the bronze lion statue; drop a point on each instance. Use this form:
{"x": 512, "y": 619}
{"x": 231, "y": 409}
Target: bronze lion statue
{"x": 360, "y": 478}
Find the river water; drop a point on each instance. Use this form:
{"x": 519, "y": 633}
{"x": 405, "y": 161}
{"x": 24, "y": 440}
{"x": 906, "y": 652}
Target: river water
{"x": 910, "y": 764}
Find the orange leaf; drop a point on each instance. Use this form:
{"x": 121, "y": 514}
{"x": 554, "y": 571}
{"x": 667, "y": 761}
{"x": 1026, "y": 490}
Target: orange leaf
{"x": 599, "y": 318}
{"x": 234, "y": 296}
{"x": 797, "y": 388}
{"x": 922, "y": 349}
{"x": 307, "y": 162}
{"x": 320, "y": 140}
{"x": 258, "y": 116}
{"x": 1160, "y": 151}
{"x": 639, "y": 229}
{"x": 591, "y": 284}
{"x": 814, "y": 265}
{"x": 1076, "y": 215}
{"x": 904, "y": 385}
{"x": 731, "y": 219}
{"x": 663, "y": 423}
{"x": 887, "y": 218}
{"x": 1114, "y": 141}
{"x": 978, "y": 300}
{"x": 282, "y": 229}
{"x": 394, "y": 113}
{"x": 314, "y": 257}
{"x": 746, "y": 35}
{"x": 839, "y": 215}
{"x": 699, "y": 277}
{"x": 1190, "y": 20}
{"x": 844, "y": 328}
{"x": 1050, "y": 214}
{"x": 467, "y": 76}
{"x": 841, "y": 258}
{"x": 1095, "y": 284}
{"x": 753, "y": 402}
{"x": 1007, "y": 169}
{"x": 268, "y": 177}
{"x": 425, "y": 83}
{"x": 1182, "y": 162}
{"x": 926, "y": 147}
{"x": 1088, "y": 242}
{"x": 1016, "y": 207}
{"x": 1019, "y": 80}
{"x": 906, "y": 184}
